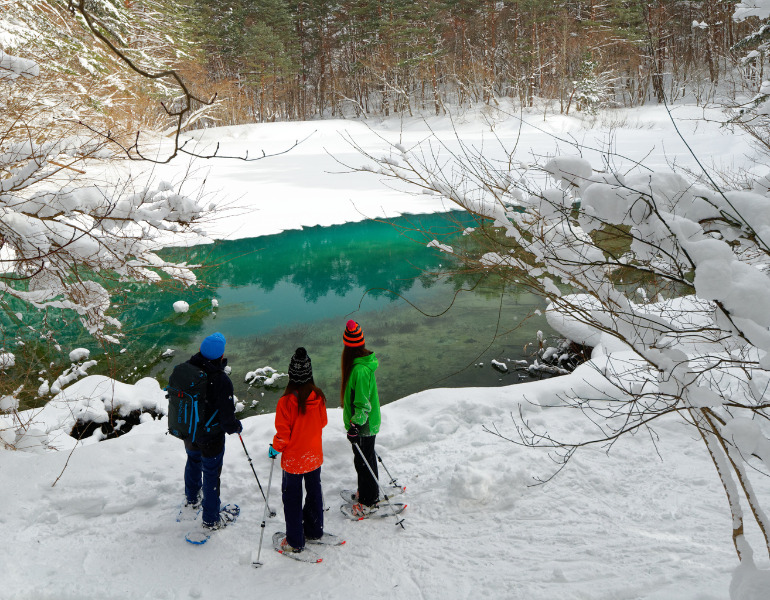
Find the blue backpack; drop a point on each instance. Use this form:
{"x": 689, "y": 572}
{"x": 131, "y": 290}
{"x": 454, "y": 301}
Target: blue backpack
{"x": 188, "y": 409}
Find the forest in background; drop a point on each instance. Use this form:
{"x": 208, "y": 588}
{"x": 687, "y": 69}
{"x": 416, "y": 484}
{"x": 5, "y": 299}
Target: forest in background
{"x": 269, "y": 60}
{"x": 298, "y": 60}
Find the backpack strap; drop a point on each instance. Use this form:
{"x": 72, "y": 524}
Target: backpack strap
{"x": 208, "y": 423}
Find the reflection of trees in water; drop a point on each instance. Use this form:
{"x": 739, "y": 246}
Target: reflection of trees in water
{"x": 380, "y": 256}
{"x": 386, "y": 258}
{"x": 339, "y": 260}
{"x": 320, "y": 260}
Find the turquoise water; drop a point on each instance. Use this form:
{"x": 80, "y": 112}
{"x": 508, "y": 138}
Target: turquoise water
{"x": 299, "y": 288}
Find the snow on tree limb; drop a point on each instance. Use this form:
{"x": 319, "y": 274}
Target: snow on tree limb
{"x": 59, "y": 229}
{"x": 694, "y": 345}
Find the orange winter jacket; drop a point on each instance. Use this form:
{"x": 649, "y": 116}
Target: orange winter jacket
{"x": 298, "y": 436}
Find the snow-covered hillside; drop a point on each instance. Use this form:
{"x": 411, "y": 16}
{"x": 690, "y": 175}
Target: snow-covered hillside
{"x": 631, "y": 524}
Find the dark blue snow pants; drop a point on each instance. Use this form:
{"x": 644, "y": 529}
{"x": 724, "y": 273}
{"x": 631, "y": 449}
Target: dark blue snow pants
{"x": 302, "y": 520}
{"x": 203, "y": 471}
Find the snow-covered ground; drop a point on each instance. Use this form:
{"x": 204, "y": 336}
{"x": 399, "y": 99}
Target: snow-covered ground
{"x": 627, "y": 525}
{"x": 308, "y": 186}
{"x": 642, "y": 522}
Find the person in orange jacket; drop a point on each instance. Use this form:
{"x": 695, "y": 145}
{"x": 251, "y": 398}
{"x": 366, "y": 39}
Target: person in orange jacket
{"x": 299, "y": 419}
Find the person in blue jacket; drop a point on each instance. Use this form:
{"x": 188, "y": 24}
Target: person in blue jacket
{"x": 205, "y": 455}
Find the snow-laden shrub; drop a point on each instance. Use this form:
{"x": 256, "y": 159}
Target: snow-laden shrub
{"x": 64, "y": 234}
{"x": 667, "y": 279}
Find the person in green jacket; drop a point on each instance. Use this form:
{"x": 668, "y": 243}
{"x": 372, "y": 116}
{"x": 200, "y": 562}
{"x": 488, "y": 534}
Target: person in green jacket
{"x": 361, "y": 414}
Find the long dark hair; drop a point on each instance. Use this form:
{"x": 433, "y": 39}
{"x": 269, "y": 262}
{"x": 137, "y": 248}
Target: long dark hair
{"x": 302, "y": 391}
{"x": 349, "y": 354}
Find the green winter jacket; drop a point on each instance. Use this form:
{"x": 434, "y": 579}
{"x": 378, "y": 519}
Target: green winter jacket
{"x": 364, "y": 410}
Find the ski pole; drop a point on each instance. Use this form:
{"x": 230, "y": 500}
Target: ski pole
{"x": 256, "y": 563}
{"x": 272, "y": 512}
{"x": 366, "y": 462}
{"x": 392, "y": 479}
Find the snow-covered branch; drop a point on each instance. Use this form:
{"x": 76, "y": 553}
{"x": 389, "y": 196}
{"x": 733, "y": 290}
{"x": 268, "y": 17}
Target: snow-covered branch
{"x": 668, "y": 281}
{"x": 63, "y": 236}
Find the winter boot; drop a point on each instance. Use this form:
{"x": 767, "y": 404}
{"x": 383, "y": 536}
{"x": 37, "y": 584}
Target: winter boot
{"x": 220, "y": 523}
{"x": 362, "y": 510}
{"x": 285, "y": 547}
{"x": 227, "y": 515}
{"x": 194, "y": 504}
{"x": 229, "y": 512}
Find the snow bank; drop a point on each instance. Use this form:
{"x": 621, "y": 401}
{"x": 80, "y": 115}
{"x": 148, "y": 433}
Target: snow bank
{"x": 314, "y": 190}
{"x": 620, "y": 525}
{"x": 687, "y": 311}
{"x": 93, "y": 399}
{"x": 749, "y": 583}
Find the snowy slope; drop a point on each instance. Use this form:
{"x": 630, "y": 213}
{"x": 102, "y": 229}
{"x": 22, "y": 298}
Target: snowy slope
{"x": 309, "y": 185}
{"x": 621, "y": 526}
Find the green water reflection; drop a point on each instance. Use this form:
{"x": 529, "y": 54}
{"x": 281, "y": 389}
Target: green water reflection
{"x": 299, "y": 287}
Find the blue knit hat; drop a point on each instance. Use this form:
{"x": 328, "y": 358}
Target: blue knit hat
{"x": 213, "y": 347}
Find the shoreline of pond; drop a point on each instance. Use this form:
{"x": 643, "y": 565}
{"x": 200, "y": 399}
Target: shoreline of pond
{"x": 298, "y": 288}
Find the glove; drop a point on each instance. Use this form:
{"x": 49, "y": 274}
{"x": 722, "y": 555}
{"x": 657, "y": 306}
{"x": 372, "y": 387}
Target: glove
{"x": 272, "y": 452}
{"x": 354, "y": 432}
{"x": 239, "y": 430}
